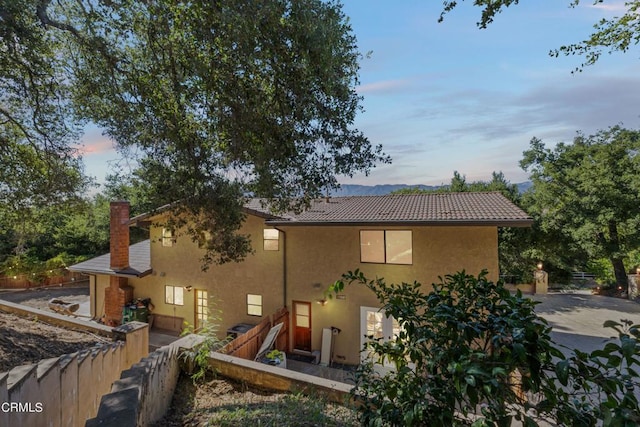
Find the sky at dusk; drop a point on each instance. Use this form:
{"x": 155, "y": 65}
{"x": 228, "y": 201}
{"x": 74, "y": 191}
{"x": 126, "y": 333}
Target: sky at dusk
{"x": 445, "y": 97}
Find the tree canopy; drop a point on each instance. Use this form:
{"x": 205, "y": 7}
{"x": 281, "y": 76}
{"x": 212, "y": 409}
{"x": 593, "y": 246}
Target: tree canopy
{"x": 617, "y": 34}
{"x": 217, "y": 100}
{"x": 587, "y": 192}
{"x": 37, "y": 131}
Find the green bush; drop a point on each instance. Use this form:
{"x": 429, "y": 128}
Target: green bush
{"x": 471, "y": 353}
{"x": 601, "y": 387}
{"x": 459, "y": 351}
{"x": 197, "y": 357}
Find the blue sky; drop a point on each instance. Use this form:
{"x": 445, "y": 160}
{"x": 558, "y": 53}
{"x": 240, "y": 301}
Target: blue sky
{"x": 447, "y": 96}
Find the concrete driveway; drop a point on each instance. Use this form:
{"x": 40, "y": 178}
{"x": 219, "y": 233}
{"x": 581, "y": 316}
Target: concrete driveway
{"x": 577, "y": 318}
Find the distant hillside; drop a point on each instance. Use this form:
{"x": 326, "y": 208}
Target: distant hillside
{"x": 380, "y": 190}
{"x": 376, "y": 190}
{"x": 524, "y": 186}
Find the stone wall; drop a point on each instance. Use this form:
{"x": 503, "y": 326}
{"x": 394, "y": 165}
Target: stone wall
{"x": 144, "y": 392}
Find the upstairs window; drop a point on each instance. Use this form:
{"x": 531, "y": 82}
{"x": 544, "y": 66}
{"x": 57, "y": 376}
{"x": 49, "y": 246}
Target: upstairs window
{"x": 167, "y": 237}
{"x": 271, "y": 239}
{"x": 386, "y": 246}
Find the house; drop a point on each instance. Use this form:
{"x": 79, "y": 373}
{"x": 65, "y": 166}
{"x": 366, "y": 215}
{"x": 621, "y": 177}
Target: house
{"x": 296, "y": 256}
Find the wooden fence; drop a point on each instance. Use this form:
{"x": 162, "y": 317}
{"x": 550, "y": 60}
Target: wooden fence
{"x": 246, "y": 346}
{"x": 26, "y": 281}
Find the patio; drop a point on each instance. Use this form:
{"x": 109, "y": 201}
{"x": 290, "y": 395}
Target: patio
{"x": 330, "y": 373}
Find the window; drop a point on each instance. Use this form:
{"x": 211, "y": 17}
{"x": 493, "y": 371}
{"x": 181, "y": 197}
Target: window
{"x": 167, "y": 237}
{"x": 174, "y": 295}
{"x": 271, "y": 239}
{"x": 386, "y": 246}
{"x": 254, "y": 305}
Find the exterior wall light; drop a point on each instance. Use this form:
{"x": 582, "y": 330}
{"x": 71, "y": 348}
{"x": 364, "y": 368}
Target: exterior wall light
{"x": 322, "y": 302}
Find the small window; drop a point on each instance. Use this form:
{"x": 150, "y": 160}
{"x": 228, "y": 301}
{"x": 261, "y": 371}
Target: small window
{"x": 386, "y": 246}
{"x": 271, "y": 239}
{"x": 174, "y": 295}
{"x": 168, "y": 239}
{"x": 254, "y": 305}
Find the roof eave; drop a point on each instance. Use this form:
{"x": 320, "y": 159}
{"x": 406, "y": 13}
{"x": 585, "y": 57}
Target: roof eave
{"x": 145, "y": 219}
{"x": 89, "y": 271}
{"x": 441, "y": 223}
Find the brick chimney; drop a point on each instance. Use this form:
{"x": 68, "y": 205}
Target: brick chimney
{"x": 119, "y": 235}
{"x": 118, "y": 293}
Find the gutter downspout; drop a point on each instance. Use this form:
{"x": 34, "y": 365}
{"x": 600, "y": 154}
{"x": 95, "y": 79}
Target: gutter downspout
{"x": 284, "y": 265}
{"x": 93, "y": 289}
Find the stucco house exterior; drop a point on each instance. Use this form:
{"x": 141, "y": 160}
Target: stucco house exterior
{"x": 296, "y": 256}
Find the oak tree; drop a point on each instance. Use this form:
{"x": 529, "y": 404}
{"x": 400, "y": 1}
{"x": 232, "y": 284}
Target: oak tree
{"x": 38, "y": 135}
{"x": 587, "y": 191}
{"x": 215, "y": 100}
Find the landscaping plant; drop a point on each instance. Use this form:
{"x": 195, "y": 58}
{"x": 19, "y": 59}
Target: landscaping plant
{"x": 197, "y": 357}
{"x": 471, "y": 353}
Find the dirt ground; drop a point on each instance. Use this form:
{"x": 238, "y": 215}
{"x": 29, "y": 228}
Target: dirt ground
{"x": 28, "y": 340}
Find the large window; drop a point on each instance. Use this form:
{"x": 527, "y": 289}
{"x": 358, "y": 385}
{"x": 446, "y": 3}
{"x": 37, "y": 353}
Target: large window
{"x": 386, "y": 246}
{"x": 174, "y": 295}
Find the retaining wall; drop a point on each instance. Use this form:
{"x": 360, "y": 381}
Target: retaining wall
{"x": 66, "y": 390}
{"x": 273, "y": 378}
{"x": 144, "y": 392}
{"x": 56, "y": 319}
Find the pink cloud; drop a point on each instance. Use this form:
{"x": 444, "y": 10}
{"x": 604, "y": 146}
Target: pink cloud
{"x": 96, "y": 144}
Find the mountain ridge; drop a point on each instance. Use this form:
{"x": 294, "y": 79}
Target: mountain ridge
{"x": 347, "y": 190}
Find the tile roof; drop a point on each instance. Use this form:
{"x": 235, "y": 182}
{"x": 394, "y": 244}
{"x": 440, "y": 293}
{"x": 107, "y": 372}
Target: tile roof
{"x": 469, "y": 208}
{"x": 417, "y": 209}
{"x": 472, "y": 208}
{"x": 139, "y": 263}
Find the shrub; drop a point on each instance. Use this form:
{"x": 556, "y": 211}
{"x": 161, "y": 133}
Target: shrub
{"x": 470, "y": 353}
{"x": 459, "y": 351}
{"x": 601, "y": 387}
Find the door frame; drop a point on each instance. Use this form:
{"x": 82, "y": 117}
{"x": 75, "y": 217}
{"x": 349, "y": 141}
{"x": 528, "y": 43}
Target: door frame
{"x": 295, "y": 326}
{"x": 196, "y": 320}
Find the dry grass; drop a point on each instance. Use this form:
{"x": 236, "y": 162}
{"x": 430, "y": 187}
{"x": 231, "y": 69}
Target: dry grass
{"x": 222, "y": 402}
